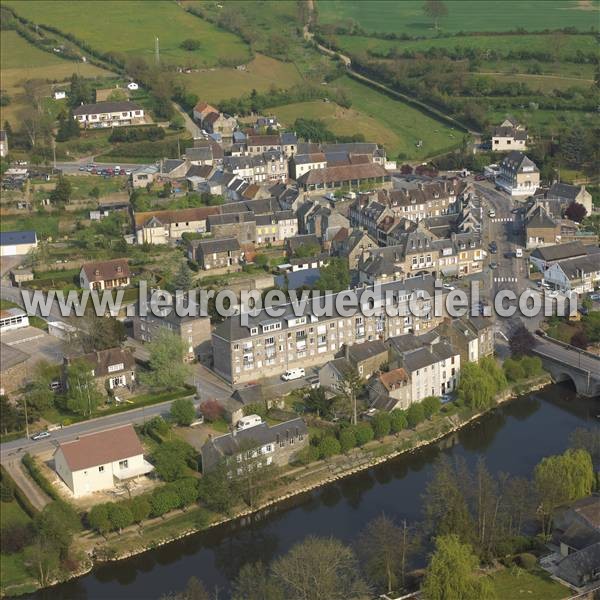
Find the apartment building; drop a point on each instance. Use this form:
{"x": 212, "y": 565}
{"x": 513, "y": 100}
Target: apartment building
{"x": 519, "y": 175}
{"x": 109, "y": 114}
{"x": 273, "y": 345}
{"x": 473, "y": 337}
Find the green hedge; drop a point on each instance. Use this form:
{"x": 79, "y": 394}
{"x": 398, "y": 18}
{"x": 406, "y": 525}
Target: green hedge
{"x": 20, "y": 497}
{"x": 38, "y": 477}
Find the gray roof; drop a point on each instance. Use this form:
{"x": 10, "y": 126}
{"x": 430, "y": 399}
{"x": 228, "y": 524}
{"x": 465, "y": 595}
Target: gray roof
{"x": 560, "y": 251}
{"x": 579, "y": 567}
{"x": 249, "y": 395}
{"x": 540, "y": 219}
{"x": 288, "y": 138}
{"x": 351, "y": 147}
{"x": 298, "y": 241}
{"x": 575, "y": 268}
{"x": 10, "y": 356}
{"x": 171, "y": 164}
{"x": 516, "y": 161}
{"x": 103, "y": 107}
{"x": 259, "y": 435}
{"x": 242, "y": 162}
{"x": 12, "y": 238}
{"x": 360, "y": 352}
{"x": 218, "y": 245}
{"x": 230, "y": 218}
{"x": 201, "y": 153}
{"x": 564, "y": 191}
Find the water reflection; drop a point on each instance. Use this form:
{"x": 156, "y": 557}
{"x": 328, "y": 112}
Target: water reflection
{"x": 512, "y": 440}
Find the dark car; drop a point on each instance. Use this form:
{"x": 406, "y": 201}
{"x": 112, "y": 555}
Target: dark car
{"x": 493, "y": 265}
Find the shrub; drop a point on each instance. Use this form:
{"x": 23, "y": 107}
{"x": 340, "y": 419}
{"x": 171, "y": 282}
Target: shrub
{"x": 364, "y": 433}
{"x": 13, "y": 538}
{"x": 308, "y": 455}
{"x": 183, "y": 411}
{"x": 172, "y": 458}
{"x": 211, "y": 410}
{"x": 120, "y": 515}
{"x": 382, "y": 424}
{"x": 186, "y": 490}
{"x": 347, "y": 439}
{"x": 398, "y": 420}
{"x": 140, "y": 508}
{"x": 513, "y": 369}
{"x": 527, "y": 560}
{"x": 190, "y": 45}
{"x": 328, "y": 447}
{"x": 532, "y": 366}
{"x": 98, "y": 519}
{"x": 431, "y": 406}
{"x": 38, "y": 477}
{"x": 163, "y": 500}
{"x": 415, "y": 414}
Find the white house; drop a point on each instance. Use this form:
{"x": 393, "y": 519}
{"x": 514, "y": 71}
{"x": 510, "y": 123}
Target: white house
{"x": 580, "y": 274}
{"x": 109, "y": 114}
{"x": 105, "y": 275}
{"x": 100, "y": 461}
{"x": 17, "y": 243}
{"x": 13, "y": 318}
{"x": 519, "y": 175}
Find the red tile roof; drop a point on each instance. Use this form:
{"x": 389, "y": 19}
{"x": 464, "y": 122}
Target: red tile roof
{"x": 391, "y": 379}
{"x": 100, "y": 448}
{"x": 106, "y": 270}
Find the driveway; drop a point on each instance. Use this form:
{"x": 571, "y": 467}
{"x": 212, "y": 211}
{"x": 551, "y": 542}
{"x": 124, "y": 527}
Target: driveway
{"x": 35, "y": 495}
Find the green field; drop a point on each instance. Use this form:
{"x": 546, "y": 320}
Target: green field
{"x": 518, "y": 583}
{"x": 560, "y": 45}
{"x": 403, "y": 125}
{"x": 131, "y": 26}
{"x": 463, "y": 15}
{"x": 541, "y": 83}
{"x": 548, "y": 120}
{"x": 260, "y": 74}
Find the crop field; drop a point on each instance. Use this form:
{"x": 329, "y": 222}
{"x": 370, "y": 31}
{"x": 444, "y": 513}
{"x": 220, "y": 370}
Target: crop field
{"x": 408, "y": 17}
{"x": 379, "y": 118}
{"x": 131, "y": 26}
{"x": 558, "y": 45}
{"x": 260, "y": 74}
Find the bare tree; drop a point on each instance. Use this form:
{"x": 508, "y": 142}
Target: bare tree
{"x": 435, "y": 9}
{"x": 348, "y": 389}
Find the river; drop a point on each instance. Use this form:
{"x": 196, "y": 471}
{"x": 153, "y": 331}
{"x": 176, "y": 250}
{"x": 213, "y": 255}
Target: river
{"x": 512, "y": 439}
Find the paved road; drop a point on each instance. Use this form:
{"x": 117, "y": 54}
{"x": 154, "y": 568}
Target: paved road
{"x": 569, "y": 356}
{"x": 72, "y": 168}
{"x": 192, "y": 128}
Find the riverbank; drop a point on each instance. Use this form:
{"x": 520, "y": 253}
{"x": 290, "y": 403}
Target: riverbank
{"x": 298, "y": 483}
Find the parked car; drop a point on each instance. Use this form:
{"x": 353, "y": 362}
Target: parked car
{"x": 493, "y": 265}
{"x": 448, "y": 286}
{"x": 595, "y": 297}
{"x": 480, "y": 177}
{"x": 41, "y": 435}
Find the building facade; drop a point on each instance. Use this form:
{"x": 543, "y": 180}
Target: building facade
{"x": 109, "y": 114}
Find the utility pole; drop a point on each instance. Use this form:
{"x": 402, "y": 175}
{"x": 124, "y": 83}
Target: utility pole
{"x": 156, "y": 51}
{"x": 26, "y": 422}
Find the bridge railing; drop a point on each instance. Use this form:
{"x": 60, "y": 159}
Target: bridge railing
{"x": 569, "y": 347}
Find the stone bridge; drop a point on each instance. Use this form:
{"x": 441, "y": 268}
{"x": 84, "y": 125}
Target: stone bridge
{"x": 567, "y": 363}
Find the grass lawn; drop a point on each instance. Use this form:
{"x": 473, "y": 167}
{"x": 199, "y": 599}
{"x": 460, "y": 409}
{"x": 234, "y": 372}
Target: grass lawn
{"x": 43, "y": 223}
{"x": 548, "y": 120}
{"x": 536, "y": 585}
{"x": 13, "y": 574}
{"x": 20, "y": 61}
{"x": 11, "y": 513}
{"x": 131, "y": 26}
{"x": 82, "y": 185}
{"x": 541, "y": 83}
{"x": 463, "y": 15}
{"x": 261, "y": 73}
{"x": 393, "y": 123}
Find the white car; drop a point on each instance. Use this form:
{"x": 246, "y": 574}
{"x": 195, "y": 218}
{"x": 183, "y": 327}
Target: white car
{"x": 41, "y": 435}
{"x": 293, "y": 374}
{"x": 449, "y": 287}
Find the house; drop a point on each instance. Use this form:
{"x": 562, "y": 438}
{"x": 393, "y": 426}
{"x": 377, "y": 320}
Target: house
{"x": 544, "y": 258}
{"x": 473, "y": 337}
{"x": 194, "y": 331}
{"x": 431, "y": 363}
{"x": 17, "y": 243}
{"x": 234, "y": 225}
{"x": 118, "y": 202}
{"x": 216, "y": 253}
{"x": 143, "y": 176}
{"x": 366, "y": 358}
{"x": 358, "y": 244}
{"x": 59, "y": 95}
{"x": 221, "y": 124}
{"x": 202, "y": 110}
{"x": 164, "y": 226}
{"x": 577, "y": 535}
{"x": 580, "y": 274}
{"x": 276, "y": 228}
{"x": 105, "y": 275}
{"x": 303, "y": 163}
{"x": 510, "y": 135}
{"x": 540, "y": 228}
{"x": 390, "y": 390}
{"x": 20, "y": 275}
{"x": 3, "y": 143}
{"x": 560, "y": 195}
{"x": 263, "y": 344}
{"x": 519, "y": 175}
{"x": 109, "y": 114}
{"x": 13, "y": 318}
{"x": 173, "y": 168}
{"x": 350, "y": 176}
{"x": 100, "y": 461}
{"x": 278, "y": 444}
{"x": 297, "y": 243}
{"x": 112, "y": 368}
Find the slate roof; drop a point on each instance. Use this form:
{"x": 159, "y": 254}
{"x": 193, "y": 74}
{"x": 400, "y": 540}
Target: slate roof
{"x": 560, "y": 191}
{"x": 200, "y": 153}
{"x": 560, "y": 251}
{"x": 330, "y": 175}
{"x": 296, "y": 242}
{"x": 259, "y": 435}
{"x": 515, "y": 161}
{"x": 14, "y": 238}
{"x": 106, "y": 107}
{"x": 289, "y": 139}
{"x": 100, "y": 448}
{"x": 575, "y": 268}
{"x": 218, "y": 245}
{"x": 358, "y": 353}
{"x": 230, "y": 218}
{"x": 540, "y": 219}
{"x": 510, "y": 132}
{"x": 102, "y": 359}
{"x": 184, "y": 215}
{"x": 263, "y": 140}
{"x": 579, "y": 567}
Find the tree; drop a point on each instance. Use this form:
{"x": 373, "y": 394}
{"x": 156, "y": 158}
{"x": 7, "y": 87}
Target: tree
{"x": 80, "y": 91}
{"x": 560, "y": 479}
{"x": 10, "y": 417}
{"x": 212, "y": 410}
{"x": 381, "y": 424}
{"x": 348, "y": 389}
{"x": 255, "y": 583}
{"x": 347, "y": 439}
{"x": 171, "y": 459}
{"x": 384, "y": 549}
{"x": 521, "y": 341}
{"x": 415, "y": 414}
{"x": 187, "y": 491}
{"x": 451, "y": 573}
{"x": 215, "y": 489}
{"x": 68, "y": 128}
{"x": 253, "y": 476}
{"x": 140, "y": 509}
{"x": 320, "y": 568}
{"x": 183, "y": 279}
{"x": 476, "y": 388}
{"x": 83, "y": 395}
{"x": 317, "y": 402}
{"x": 183, "y": 411}
{"x": 513, "y": 369}
{"x": 580, "y": 340}
{"x": 588, "y": 440}
{"x": 163, "y": 500}
{"x": 398, "y": 420}
{"x": 167, "y": 369}
{"x": 120, "y": 515}
{"x": 98, "y": 518}
{"x": 335, "y": 277}
{"x": 364, "y": 433}
{"x": 576, "y": 212}
{"x": 61, "y": 194}
{"x": 100, "y": 333}
{"x": 329, "y": 447}
{"x": 431, "y": 406}
{"x": 435, "y": 10}
{"x": 190, "y": 45}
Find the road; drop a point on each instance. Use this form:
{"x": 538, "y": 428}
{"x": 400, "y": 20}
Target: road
{"x": 569, "y": 356}
{"x": 192, "y": 128}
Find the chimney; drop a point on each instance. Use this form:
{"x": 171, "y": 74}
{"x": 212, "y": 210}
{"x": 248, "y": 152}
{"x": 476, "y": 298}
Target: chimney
{"x": 346, "y": 351}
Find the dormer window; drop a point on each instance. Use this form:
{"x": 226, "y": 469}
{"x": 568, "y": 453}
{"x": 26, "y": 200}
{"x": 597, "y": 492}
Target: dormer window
{"x": 254, "y": 331}
{"x": 96, "y": 271}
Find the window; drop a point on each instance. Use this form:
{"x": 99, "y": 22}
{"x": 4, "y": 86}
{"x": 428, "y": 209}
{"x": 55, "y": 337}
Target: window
{"x": 123, "y": 464}
{"x": 253, "y": 330}
{"x": 100, "y": 469}
{"x": 118, "y": 367}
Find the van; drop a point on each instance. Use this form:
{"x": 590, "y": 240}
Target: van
{"x": 248, "y": 421}
{"x": 293, "y": 374}
{"x": 519, "y": 252}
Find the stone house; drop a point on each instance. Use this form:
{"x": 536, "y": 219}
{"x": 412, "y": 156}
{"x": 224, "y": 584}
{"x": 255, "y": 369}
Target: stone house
{"x": 216, "y": 253}
{"x": 560, "y": 195}
{"x": 390, "y": 390}
{"x": 473, "y": 337}
{"x": 519, "y": 175}
{"x": 541, "y": 229}
{"x": 355, "y": 246}
{"x": 256, "y": 446}
{"x": 238, "y": 225}
{"x": 164, "y": 226}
